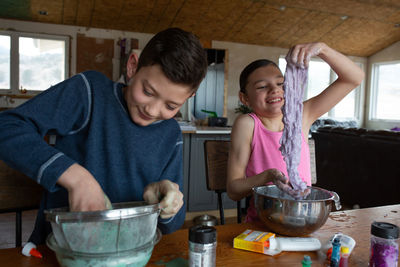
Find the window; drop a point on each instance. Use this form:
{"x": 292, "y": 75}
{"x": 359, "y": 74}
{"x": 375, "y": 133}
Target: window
{"x": 210, "y": 95}
{"x": 320, "y": 75}
{"x": 32, "y": 62}
{"x": 5, "y": 42}
{"x": 385, "y": 91}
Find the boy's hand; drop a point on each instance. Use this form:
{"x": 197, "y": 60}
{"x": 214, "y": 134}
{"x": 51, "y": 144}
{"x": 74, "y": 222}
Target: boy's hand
{"x": 168, "y": 194}
{"x": 84, "y": 192}
{"x": 301, "y": 54}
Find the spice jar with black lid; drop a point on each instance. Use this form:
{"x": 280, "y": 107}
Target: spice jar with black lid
{"x": 202, "y": 246}
{"x": 384, "y": 245}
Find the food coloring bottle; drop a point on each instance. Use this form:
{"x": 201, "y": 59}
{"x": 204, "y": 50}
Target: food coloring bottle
{"x": 306, "y": 262}
{"x": 344, "y": 257}
{"x": 335, "y": 257}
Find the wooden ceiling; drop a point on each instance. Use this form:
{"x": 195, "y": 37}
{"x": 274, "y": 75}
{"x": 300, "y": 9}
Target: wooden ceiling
{"x": 354, "y": 27}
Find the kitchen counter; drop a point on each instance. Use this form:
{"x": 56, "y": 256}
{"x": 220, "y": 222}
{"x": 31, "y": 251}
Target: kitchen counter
{"x": 205, "y": 130}
{"x": 188, "y": 128}
{"x": 172, "y": 250}
{"x": 212, "y": 130}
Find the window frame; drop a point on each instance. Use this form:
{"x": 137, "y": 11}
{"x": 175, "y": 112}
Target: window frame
{"x": 358, "y": 96}
{"x": 358, "y": 92}
{"x": 373, "y": 99}
{"x": 14, "y": 59}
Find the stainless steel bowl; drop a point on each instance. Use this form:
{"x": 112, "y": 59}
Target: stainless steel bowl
{"x": 137, "y": 257}
{"x": 127, "y": 226}
{"x": 282, "y": 214}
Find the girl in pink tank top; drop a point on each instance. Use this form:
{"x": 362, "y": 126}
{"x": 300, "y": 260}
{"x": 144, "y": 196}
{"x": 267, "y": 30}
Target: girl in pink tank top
{"x": 266, "y": 155}
{"x": 255, "y": 158}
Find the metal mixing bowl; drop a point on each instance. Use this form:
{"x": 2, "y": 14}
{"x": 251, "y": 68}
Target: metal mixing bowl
{"x": 127, "y": 226}
{"x": 282, "y": 214}
{"x": 137, "y": 257}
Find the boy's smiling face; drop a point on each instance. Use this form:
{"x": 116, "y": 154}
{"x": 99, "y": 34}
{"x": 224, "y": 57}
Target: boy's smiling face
{"x": 151, "y": 96}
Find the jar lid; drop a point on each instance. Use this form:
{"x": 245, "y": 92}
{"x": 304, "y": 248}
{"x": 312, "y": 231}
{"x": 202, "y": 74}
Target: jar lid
{"x": 385, "y": 230}
{"x": 202, "y": 234}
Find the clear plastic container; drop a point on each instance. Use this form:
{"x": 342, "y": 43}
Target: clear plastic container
{"x": 384, "y": 245}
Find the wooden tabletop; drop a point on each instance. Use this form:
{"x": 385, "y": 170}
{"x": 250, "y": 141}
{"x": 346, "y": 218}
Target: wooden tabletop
{"x": 172, "y": 250}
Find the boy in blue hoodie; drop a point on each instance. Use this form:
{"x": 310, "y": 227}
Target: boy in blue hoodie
{"x": 111, "y": 139}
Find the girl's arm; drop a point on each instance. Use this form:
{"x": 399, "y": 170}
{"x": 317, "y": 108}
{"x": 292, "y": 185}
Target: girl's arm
{"x": 238, "y": 186}
{"x": 349, "y": 77}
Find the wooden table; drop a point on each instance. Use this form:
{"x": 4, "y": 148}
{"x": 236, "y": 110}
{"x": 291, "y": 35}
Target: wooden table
{"x": 172, "y": 250}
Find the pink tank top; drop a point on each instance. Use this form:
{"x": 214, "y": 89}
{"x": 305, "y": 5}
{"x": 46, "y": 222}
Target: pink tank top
{"x": 265, "y": 154}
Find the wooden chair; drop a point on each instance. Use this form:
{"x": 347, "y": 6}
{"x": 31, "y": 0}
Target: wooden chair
{"x": 17, "y": 193}
{"x": 216, "y": 158}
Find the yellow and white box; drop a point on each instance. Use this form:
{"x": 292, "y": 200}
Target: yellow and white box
{"x": 252, "y": 240}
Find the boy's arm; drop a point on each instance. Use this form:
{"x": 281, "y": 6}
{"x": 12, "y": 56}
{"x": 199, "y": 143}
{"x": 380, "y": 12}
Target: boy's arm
{"x": 238, "y": 186}
{"x": 58, "y": 110}
{"x": 84, "y": 192}
{"x": 349, "y": 77}
{"x": 169, "y": 193}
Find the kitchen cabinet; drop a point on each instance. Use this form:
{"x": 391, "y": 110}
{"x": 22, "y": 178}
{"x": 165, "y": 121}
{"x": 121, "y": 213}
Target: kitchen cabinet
{"x": 196, "y": 195}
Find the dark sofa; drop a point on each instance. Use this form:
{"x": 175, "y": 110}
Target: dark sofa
{"x": 362, "y": 166}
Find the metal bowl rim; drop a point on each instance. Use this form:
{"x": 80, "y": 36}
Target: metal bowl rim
{"x": 254, "y": 189}
{"x": 139, "y": 208}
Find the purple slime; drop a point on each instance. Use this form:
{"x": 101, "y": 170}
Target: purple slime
{"x": 295, "y": 82}
{"x": 384, "y": 254}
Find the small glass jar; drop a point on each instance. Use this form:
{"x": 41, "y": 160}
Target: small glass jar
{"x": 202, "y": 246}
{"x": 384, "y": 245}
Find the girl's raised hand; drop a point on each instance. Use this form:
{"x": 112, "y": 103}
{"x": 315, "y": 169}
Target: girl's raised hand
{"x": 301, "y": 54}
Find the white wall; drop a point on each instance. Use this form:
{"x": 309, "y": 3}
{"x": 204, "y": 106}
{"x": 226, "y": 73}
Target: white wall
{"x": 389, "y": 54}
{"x": 240, "y": 55}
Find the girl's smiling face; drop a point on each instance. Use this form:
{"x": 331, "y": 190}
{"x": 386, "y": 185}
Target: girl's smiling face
{"x": 151, "y": 96}
{"x": 264, "y": 91}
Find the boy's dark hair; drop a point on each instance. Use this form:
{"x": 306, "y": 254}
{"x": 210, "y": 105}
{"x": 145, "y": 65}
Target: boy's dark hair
{"x": 180, "y": 55}
{"x": 244, "y": 75}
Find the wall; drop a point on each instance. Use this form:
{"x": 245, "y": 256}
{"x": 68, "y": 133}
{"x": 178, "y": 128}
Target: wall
{"x": 239, "y": 56}
{"x": 72, "y": 32}
{"x": 389, "y": 54}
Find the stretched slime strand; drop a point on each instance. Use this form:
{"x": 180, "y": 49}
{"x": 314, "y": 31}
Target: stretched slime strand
{"x": 294, "y": 84}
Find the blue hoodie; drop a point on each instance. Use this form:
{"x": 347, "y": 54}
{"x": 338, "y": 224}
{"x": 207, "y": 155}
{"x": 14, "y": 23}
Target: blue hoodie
{"x": 88, "y": 116}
